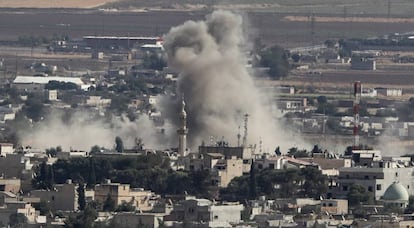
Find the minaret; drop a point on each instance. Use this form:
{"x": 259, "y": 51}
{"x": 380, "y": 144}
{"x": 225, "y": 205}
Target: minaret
{"x": 182, "y": 131}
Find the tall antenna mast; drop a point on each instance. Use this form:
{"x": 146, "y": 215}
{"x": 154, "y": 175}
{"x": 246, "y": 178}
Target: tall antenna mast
{"x": 246, "y": 118}
{"x": 238, "y": 138}
{"x": 357, "y": 99}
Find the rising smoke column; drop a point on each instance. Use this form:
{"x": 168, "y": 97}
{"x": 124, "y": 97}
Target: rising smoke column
{"x": 217, "y": 87}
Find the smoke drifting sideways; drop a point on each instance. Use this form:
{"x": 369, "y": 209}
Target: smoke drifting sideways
{"x": 217, "y": 87}
{"x": 84, "y": 131}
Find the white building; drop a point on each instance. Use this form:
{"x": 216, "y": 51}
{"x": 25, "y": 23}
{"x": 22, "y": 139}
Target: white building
{"x": 37, "y": 83}
{"x": 377, "y": 176}
{"x": 6, "y": 148}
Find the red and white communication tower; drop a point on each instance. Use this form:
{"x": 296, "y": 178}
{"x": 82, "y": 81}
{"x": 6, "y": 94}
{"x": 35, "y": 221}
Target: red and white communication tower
{"x": 357, "y": 98}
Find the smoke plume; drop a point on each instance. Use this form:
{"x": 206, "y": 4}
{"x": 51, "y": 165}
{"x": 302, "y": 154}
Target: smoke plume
{"x": 217, "y": 87}
{"x": 83, "y": 130}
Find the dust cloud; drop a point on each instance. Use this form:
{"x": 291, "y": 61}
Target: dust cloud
{"x": 83, "y": 130}
{"x": 217, "y": 87}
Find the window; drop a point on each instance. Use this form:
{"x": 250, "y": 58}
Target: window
{"x": 396, "y": 174}
{"x": 191, "y": 167}
{"x": 366, "y": 177}
{"x": 370, "y": 188}
{"x": 272, "y": 166}
{"x": 215, "y": 216}
{"x": 378, "y": 187}
{"x": 330, "y": 204}
{"x": 344, "y": 188}
{"x": 347, "y": 176}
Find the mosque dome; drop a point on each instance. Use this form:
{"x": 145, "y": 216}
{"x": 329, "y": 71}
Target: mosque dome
{"x": 396, "y": 192}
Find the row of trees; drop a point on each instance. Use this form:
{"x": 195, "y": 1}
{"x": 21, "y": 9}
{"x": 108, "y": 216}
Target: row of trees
{"x": 145, "y": 171}
{"x": 287, "y": 183}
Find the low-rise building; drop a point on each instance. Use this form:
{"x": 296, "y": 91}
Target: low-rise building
{"x": 63, "y": 197}
{"x": 203, "y": 211}
{"x": 10, "y": 185}
{"x": 376, "y": 177}
{"x": 334, "y": 206}
{"x": 122, "y": 193}
{"x": 6, "y": 148}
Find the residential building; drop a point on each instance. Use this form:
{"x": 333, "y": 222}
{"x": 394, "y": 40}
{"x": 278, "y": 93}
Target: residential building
{"x": 6, "y": 148}
{"x": 63, "y": 197}
{"x": 133, "y": 219}
{"x": 334, "y": 206}
{"x": 225, "y": 170}
{"x": 205, "y": 212}
{"x": 376, "y": 177}
{"x": 122, "y": 193}
{"x": 389, "y": 92}
{"x": 10, "y": 185}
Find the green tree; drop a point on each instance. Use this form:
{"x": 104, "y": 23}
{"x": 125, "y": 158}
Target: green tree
{"x": 109, "y": 204}
{"x": 43, "y": 207}
{"x": 95, "y": 150}
{"x": 252, "y": 182}
{"x": 92, "y": 173}
{"x": 277, "y": 60}
{"x": 294, "y": 151}
{"x": 119, "y": 144}
{"x": 34, "y": 108}
{"x": 277, "y": 151}
{"x": 17, "y": 220}
{"x": 81, "y": 196}
{"x": 358, "y": 195}
{"x": 315, "y": 184}
{"x": 410, "y": 207}
{"x": 126, "y": 207}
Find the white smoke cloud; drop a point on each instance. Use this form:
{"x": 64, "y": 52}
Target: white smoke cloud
{"x": 217, "y": 86}
{"x": 83, "y": 131}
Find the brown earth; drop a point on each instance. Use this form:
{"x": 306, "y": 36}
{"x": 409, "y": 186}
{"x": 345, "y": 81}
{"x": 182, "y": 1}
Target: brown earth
{"x": 325, "y": 19}
{"x": 52, "y": 3}
{"x": 272, "y": 28}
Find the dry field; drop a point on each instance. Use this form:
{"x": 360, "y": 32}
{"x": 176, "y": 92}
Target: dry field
{"x": 53, "y": 3}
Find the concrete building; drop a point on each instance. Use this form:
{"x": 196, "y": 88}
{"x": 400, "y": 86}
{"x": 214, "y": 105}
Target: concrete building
{"x": 37, "y": 83}
{"x": 19, "y": 167}
{"x": 334, "y": 206}
{"x": 225, "y": 170}
{"x": 389, "y": 92}
{"x": 363, "y": 63}
{"x": 222, "y": 169}
{"x": 204, "y": 212}
{"x": 10, "y": 185}
{"x": 12, "y": 206}
{"x": 97, "y": 101}
{"x": 376, "y": 177}
{"x": 116, "y": 42}
{"x": 292, "y": 104}
{"x": 133, "y": 219}
{"x": 6, "y": 148}
{"x": 227, "y": 151}
{"x": 63, "y": 197}
{"x": 52, "y": 95}
{"x": 122, "y": 193}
